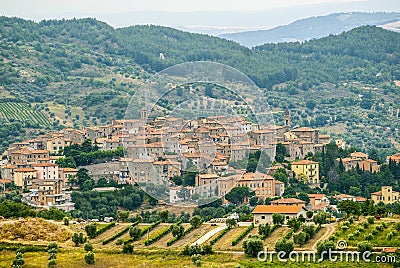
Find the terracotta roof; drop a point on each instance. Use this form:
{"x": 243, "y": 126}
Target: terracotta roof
{"x": 25, "y": 170}
{"x": 208, "y": 176}
{"x": 288, "y": 201}
{"x": 303, "y": 129}
{"x": 44, "y": 165}
{"x": 359, "y": 154}
{"x": 316, "y": 196}
{"x": 270, "y": 209}
{"x": 377, "y": 193}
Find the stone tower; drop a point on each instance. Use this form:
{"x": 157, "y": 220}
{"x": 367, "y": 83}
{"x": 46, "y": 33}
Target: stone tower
{"x": 143, "y": 113}
{"x": 286, "y": 118}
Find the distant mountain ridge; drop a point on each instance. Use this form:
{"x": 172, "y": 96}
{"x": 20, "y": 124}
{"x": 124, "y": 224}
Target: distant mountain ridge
{"x": 315, "y": 27}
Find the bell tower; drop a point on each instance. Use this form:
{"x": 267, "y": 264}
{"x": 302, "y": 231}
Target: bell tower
{"x": 143, "y": 113}
{"x": 286, "y": 118}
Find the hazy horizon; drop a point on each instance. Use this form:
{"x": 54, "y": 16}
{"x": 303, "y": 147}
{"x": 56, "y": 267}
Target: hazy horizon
{"x": 211, "y": 17}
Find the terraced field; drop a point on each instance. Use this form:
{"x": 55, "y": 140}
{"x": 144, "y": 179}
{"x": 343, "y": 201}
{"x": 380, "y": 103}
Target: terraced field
{"x": 18, "y": 111}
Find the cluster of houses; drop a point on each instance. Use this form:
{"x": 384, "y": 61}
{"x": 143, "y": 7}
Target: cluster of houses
{"x": 31, "y": 165}
{"x": 161, "y": 149}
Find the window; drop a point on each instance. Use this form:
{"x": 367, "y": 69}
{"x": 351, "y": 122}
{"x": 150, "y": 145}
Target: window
{"x": 263, "y": 217}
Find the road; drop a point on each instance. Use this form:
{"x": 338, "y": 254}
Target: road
{"x": 208, "y": 235}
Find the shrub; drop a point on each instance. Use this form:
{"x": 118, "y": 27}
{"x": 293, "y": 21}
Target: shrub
{"x": 66, "y": 221}
{"x": 52, "y": 245}
{"x": 309, "y": 230}
{"x": 191, "y": 250}
{"x": 119, "y": 242}
{"x": 397, "y": 226}
{"x": 351, "y": 219}
{"x": 89, "y": 257}
{"x": 252, "y": 246}
{"x": 196, "y": 259}
{"x": 350, "y": 237}
{"x": 366, "y": 225}
{"x": 374, "y": 232}
{"x": 78, "y": 239}
{"x": 369, "y": 237}
{"x": 284, "y": 245}
{"x": 323, "y": 247}
{"x": 300, "y": 238}
{"x": 370, "y": 220}
{"x": 264, "y": 229}
{"x": 389, "y": 236}
{"x": 344, "y": 228}
{"x": 278, "y": 218}
{"x": 88, "y": 247}
{"x": 380, "y": 227}
{"x": 346, "y": 223}
{"x": 230, "y": 223}
{"x": 18, "y": 260}
{"x": 242, "y": 235}
{"x": 177, "y": 230}
{"x": 364, "y": 246}
{"x": 289, "y": 235}
{"x": 135, "y": 232}
{"x": 360, "y": 229}
{"x": 127, "y": 249}
{"x": 91, "y": 230}
{"x": 196, "y": 221}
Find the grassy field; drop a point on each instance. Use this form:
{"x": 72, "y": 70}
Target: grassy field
{"x": 160, "y": 258}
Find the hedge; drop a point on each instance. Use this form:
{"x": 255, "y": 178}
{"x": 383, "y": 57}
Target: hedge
{"x": 149, "y": 228}
{"x": 242, "y": 235}
{"x": 273, "y": 228}
{"x": 288, "y": 235}
{"x": 158, "y": 236}
{"x": 174, "y": 239}
{"x": 105, "y": 228}
{"x": 120, "y": 233}
{"x": 218, "y": 237}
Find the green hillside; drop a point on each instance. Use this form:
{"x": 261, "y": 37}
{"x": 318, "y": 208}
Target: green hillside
{"x": 82, "y": 72}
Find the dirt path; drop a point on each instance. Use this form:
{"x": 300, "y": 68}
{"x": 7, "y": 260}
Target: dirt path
{"x": 329, "y": 230}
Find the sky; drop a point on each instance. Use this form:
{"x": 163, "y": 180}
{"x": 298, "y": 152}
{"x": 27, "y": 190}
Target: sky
{"x": 206, "y": 16}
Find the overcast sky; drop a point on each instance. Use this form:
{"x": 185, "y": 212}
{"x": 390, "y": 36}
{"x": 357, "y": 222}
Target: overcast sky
{"x": 191, "y": 14}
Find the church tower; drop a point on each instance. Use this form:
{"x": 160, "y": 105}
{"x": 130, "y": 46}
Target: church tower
{"x": 286, "y": 118}
{"x": 143, "y": 114}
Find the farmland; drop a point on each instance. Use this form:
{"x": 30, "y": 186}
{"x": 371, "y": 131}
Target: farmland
{"x": 20, "y": 111}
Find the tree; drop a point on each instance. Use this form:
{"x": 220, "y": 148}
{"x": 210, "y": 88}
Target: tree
{"x": 294, "y": 223}
{"x": 278, "y": 218}
{"x": 364, "y": 246}
{"x": 135, "y": 232}
{"x": 309, "y": 214}
{"x": 123, "y": 215}
{"x": 88, "y": 247}
{"x": 163, "y": 215}
{"x": 300, "y": 238}
{"x": 281, "y": 176}
{"x": 253, "y": 201}
{"x": 320, "y": 217}
{"x": 253, "y": 245}
{"x": 303, "y": 196}
{"x": 284, "y": 245}
{"x": 230, "y": 223}
{"x": 18, "y": 261}
{"x": 127, "y": 249}
{"x": 238, "y": 194}
{"x": 177, "y": 230}
{"x": 91, "y": 230}
{"x": 196, "y": 221}
{"x": 66, "y": 221}
{"x": 89, "y": 257}
{"x": 264, "y": 229}
{"x": 350, "y": 207}
{"x": 280, "y": 153}
{"x": 78, "y": 239}
{"x": 323, "y": 247}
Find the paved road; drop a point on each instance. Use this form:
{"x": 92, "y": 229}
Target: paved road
{"x": 208, "y": 235}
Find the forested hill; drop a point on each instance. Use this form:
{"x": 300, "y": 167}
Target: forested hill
{"x": 80, "y": 72}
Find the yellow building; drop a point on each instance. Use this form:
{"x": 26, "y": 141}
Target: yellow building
{"x": 306, "y": 170}
{"x": 386, "y": 195}
{"x": 23, "y": 177}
